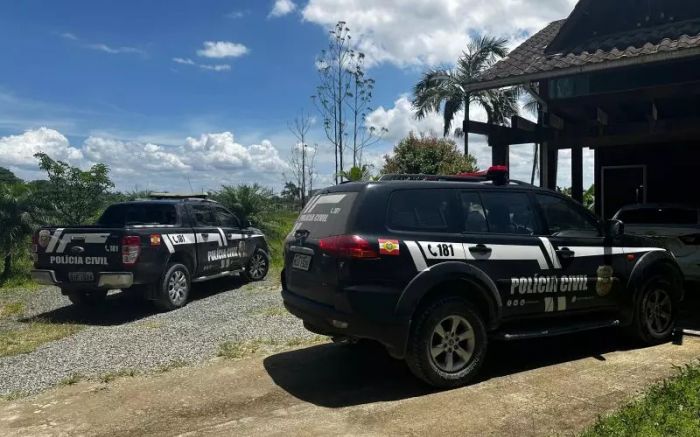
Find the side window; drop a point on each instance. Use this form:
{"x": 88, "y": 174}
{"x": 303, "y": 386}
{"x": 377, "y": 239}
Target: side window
{"x": 419, "y": 210}
{"x": 509, "y": 213}
{"x": 473, "y": 213}
{"x": 561, "y": 216}
{"x": 226, "y": 219}
{"x": 203, "y": 215}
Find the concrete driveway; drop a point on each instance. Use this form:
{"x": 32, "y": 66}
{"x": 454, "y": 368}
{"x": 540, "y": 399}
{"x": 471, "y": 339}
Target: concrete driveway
{"x": 544, "y": 387}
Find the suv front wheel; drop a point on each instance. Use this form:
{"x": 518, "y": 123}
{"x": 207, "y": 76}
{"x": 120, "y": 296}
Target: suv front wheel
{"x": 448, "y": 343}
{"x": 655, "y": 312}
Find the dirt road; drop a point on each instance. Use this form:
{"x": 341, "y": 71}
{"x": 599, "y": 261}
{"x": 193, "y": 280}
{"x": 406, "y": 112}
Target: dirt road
{"x": 544, "y": 387}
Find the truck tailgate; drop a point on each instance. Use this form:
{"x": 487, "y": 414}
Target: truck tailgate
{"x": 77, "y": 254}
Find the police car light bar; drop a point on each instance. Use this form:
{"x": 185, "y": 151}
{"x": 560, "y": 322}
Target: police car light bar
{"x": 497, "y": 174}
{"x": 164, "y": 196}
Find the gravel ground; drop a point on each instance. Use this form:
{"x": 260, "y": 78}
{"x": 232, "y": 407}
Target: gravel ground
{"x": 126, "y": 334}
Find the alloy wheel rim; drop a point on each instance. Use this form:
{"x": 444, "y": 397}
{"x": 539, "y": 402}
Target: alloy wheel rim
{"x": 658, "y": 311}
{"x": 258, "y": 264}
{"x": 177, "y": 287}
{"x": 452, "y": 343}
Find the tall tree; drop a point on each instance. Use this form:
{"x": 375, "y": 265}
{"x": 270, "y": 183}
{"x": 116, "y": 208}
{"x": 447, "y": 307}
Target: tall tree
{"x": 7, "y": 177}
{"x": 302, "y": 157}
{"x": 343, "y": 97}
{"x": 446, "y": 88}
{"x": 74, "y": 196}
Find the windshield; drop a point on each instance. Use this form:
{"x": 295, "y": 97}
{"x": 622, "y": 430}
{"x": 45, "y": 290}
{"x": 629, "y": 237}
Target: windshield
{"x": 326, "y": 215}
{"x": 133, "y": 214}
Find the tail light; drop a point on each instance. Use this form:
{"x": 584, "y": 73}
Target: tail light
{"x": 131, "y": 249}
{"x": 691, "y": 240}
{"x": 348, "y": 246}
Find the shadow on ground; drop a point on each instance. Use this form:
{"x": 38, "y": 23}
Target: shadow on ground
{"x": 120, "y": 308}
{"x": 336, "y": 376}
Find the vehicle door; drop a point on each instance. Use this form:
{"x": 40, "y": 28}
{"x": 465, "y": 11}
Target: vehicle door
{"x": 233, "y": 250}
{"x": 208, "y": 237}
{"x": 500, "y": 237}
{"x": 587, "y": 263}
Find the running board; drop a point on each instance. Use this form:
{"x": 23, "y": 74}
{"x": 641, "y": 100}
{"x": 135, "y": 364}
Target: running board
{"x": 217, "y": 276}
{"x": 551, "y": 332}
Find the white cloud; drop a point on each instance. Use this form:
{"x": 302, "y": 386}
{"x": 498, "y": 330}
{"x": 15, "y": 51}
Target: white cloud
{"x": 184, "y": 61}
{"x": 103, "y": 47}
{"x": 207, "y": 161}
{"x": 282, "y": 7}
{"x": 419, "y": 32}
{"x": 215, "y": 67}
{"x": 222, "y": 49}
{"x": 18, "y": 150}
{"x": 237, "y": 14}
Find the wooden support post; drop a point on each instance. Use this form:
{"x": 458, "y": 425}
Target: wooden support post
{"x": 577, "y": 173}
{"x": 597, "y": 174}
{"x": 552, "y": 157}
{"x": 499, "y": 154}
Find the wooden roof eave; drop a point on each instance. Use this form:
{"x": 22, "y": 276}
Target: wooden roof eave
{"x": 579, "y": 69}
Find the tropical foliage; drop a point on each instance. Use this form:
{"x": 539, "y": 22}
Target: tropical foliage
{"x": 446, "y": 89}
{"x": 427, "y": 155}
{"x": 16, "y": 222}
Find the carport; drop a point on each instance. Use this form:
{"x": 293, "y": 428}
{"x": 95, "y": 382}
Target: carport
{"x": 622, "y": 78}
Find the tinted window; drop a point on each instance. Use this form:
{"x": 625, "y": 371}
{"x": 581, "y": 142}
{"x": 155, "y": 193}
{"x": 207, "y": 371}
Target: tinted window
{"x": 132, "y": 214}
{"x": 225, "y": 218}
{"x": 562, "y": 215}
{"x": 473, "y": 212}
{"x": 203, "y": 215}
{"x": 659, "y": 216}
{"x": 419, "y": 210}
{"x": 509, "y": 213}
{"x": 326, "y": 215}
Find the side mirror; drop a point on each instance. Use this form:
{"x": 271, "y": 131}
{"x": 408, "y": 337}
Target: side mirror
{"x": 614, "y": 228}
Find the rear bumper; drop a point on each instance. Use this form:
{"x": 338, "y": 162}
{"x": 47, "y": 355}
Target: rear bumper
{"x": 104, "y": 280}
{"x": 326, "y": 320}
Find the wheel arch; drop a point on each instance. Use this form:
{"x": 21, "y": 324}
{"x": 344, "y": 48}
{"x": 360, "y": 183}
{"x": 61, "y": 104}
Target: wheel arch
{"x": 452, "y": 278}
{"x": 656, "y": 263}
{"x": 183, "y": 258}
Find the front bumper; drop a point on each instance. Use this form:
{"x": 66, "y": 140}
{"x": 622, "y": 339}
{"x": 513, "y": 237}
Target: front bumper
{"x": 105, "y": 280}
{"x": 326, "y": 320}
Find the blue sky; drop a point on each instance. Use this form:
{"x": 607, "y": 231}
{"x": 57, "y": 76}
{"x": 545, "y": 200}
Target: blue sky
{"x": 165, "y": 91}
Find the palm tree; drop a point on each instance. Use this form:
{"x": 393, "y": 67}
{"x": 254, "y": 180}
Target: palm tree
{"x": 446, "y": 88}
{"x": 15, "y": 222}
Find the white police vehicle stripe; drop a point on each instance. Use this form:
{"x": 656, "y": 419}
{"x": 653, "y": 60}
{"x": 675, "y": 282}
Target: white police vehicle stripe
{"x": 54, "y": 239}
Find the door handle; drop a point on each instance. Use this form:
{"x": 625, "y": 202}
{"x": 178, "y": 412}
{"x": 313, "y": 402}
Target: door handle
{"x": 565, "y": 253}
{"x": 480, "y": 249}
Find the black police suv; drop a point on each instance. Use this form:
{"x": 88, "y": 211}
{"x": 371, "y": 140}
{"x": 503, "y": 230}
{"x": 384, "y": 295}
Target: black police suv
{"x": 436, "y": 267}
{"x": 155, "y": 247}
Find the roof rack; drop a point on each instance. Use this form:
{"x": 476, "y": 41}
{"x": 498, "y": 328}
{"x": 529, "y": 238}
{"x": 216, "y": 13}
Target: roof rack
{"x": 176, "y": 196}
{"x": 497, "y": 175}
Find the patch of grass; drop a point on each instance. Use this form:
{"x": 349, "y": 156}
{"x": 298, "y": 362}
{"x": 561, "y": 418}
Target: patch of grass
{"x": 283, "y": 221}
{"x": 29, "y": 337}
{"x": 122, "y": 373}
{"x": 151, "y": 324}
{"x": 13, "y": 395}
{"x": 174, "y": 364}
{"x": 11, "y": 309}
{"x": 276, "y": 311}
{"x": 671, "y": 408}
{"x": 72, "y": 379}
{"x": 19, "y": 275}
{"x": 304, "y": 341}
{"x": 240, "y": 349}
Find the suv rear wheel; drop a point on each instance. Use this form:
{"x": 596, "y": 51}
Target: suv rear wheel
{"x": 448, "y": 344}
{"x": 174, "y": 287}
{"x": 655, "y": 312}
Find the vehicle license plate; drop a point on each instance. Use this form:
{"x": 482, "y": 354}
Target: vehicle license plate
{"x": 301, "y": 262}
{"x": 81, "y": 277}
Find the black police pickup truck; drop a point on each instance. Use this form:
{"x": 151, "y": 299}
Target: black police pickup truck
{"x": 437, "y": 267}
{"x": 156, "y": 247}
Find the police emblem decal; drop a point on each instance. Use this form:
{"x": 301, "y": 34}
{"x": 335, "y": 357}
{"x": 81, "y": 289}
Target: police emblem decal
{"x": 605, "y": 280}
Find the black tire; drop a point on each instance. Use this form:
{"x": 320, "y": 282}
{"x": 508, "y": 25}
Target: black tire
{"x": 428, "y": 354}
{"x": 655, "y": 312}
{"x": 88, "y": 298}
{"x": 174, "y": 288}
{"x": 257, "y": 267}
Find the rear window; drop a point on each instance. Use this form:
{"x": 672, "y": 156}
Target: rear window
{"x": 138, "y": 214}
{"x": 659, "y": 216}
{"x": 326, "y": 215}
{"x": 419, "y": 210}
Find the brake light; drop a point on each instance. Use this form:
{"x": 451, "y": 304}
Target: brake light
{"x": 498, "y": 174}
{"x": 692, "y": 240}
{"x": 348, "y": 246}
{"x": 131, "y": 249}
